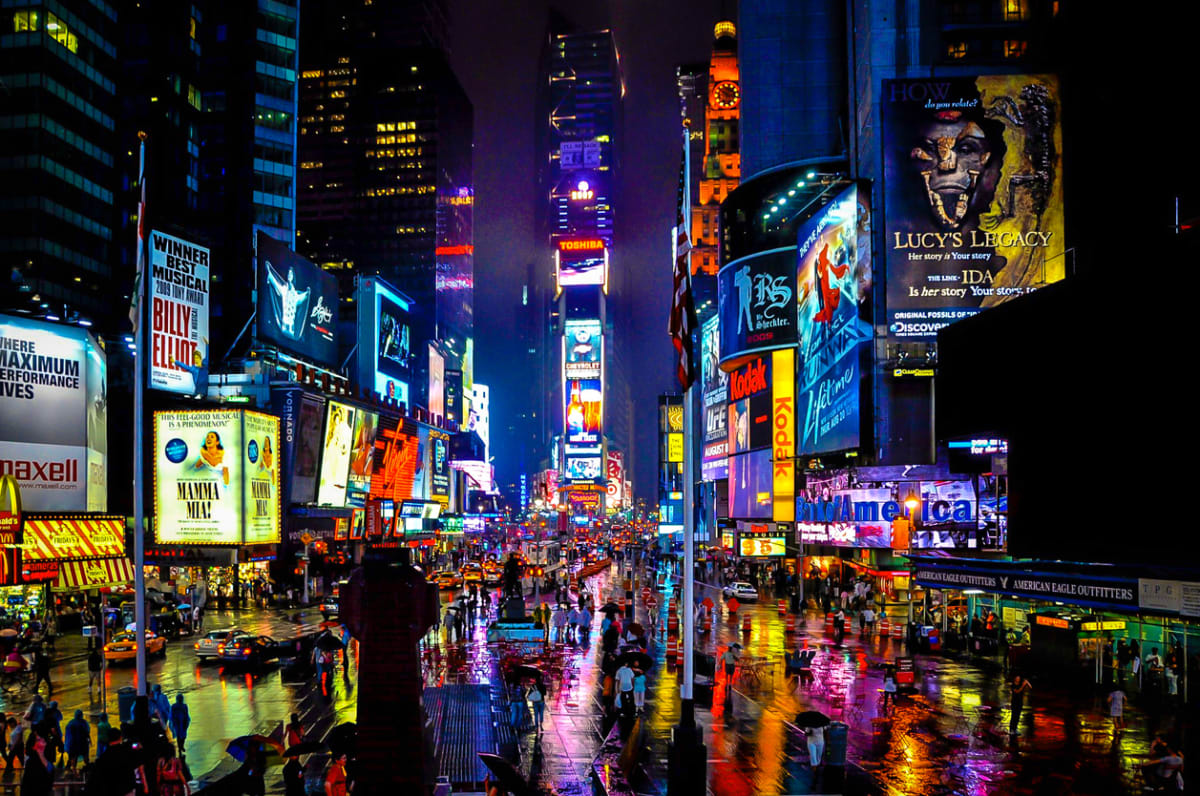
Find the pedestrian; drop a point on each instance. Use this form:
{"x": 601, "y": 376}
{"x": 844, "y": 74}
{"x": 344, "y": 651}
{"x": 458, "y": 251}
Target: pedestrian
{"x": 335, "y": 778}
{"x": 639, "y": 690}
{"x": 38, "y": 777}
{"x": 1116, "y": 708}
{"x": 624, "y": 680}
{"x": 839, "y": 626}
{"x": 889, "y": 686}
{"x": 585, "y": 624}
{"x": 103, "y": 730}
{"x": 868, "y": 619}
{"x": 815, "y": 738}
{"x": 15, "y": 750}
{"x": 295, "y": 731}
{"x": 729, "y": 658}
{"x": 1172, "y": 685}
{"x": 293, "y": 778}
{"x": 95, "y": 664}
{"x": 518, "y": 711}
{"x": 35, "y": 712}
{"x": 160, "y": 706}
{"x": 573, "y": 624}
{"x": 171, "y": 779}
{"x": 41, "y": 671}
{"x": 560, "y": 624}
{"x": 538, "y": 699}
{"x": 449, "y": 622}
{"x": 52, "y": 724}
{"x": 460, "y": 624}
{"x": 180, "y": 719}
{"x": 253, "y": 770}
{"x": 78, "y": 740}
{"x": 1165, "y": 772}
{"x": 1020, "y": 687}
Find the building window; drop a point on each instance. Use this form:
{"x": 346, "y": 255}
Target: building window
{"x": 1014, "y": 48}
{"x": 956, "y": 50}
{"x": 59, "y": 31}
{"x": 25, "y": 21}
{"x": 1016, "y": 10}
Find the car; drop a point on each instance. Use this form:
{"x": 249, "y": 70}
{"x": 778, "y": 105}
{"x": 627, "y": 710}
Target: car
{"x": 329, "y": 606}
{"x": 208, "y": 644}
{"x": 249, "y": 649}
{"x": 472, "y": 573}
{"x": 743, "y": 591}
{"x": 448, "y": 580}
{"x": 493, "y": 573}
{"x": 123, "y": 646}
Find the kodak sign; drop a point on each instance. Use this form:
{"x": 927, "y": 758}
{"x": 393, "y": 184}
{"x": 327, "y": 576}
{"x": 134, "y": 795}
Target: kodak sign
{"x": 783, "y": 434}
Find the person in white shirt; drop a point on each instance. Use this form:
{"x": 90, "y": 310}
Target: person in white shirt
{"x": 1116, "y": 708}
{"x": 624, "y": 678}
{"x": 816, "y": 745}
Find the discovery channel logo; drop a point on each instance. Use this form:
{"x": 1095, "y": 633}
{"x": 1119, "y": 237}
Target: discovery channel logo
{"x": 902, "y": 329}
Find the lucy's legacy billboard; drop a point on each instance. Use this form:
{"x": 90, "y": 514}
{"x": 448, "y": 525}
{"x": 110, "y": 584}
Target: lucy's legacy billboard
{"x": 973, "y": 195}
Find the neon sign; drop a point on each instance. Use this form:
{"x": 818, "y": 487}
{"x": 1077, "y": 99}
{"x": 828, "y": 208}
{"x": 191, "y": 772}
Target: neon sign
{"x": 581, "y": 245}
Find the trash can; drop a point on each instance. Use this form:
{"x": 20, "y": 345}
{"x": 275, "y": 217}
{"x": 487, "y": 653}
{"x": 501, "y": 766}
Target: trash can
{"x": 126, "y": 696}
{"x": 836, "y": 735}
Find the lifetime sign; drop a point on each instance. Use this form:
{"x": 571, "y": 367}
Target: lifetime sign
{"x": 843, "y": 509}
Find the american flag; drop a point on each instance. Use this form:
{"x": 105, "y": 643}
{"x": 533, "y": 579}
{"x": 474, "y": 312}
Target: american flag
{"x": 683, "y": 308}
{"x": 135, "y": 304}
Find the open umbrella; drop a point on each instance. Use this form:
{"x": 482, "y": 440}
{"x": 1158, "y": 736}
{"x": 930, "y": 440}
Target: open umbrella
{"x": 328, "y": 641}
{"x": 183, "y": 607}
{"x": 635, "y": 658}
{"x": 342, "y": 738}
{"x": 506, "y": 774}
{"x": 239, "y": 748}
{"x": 811, "y": 718}
{"x": 735, "y": 646}
{"x": 8, "y": 632}
{"x": 303, "y": 748}
{"x": 708, "y": 603}
{"x": 524, "y": 671}
{"x": 610, "y": 608}
{"x": 635, "y": 629}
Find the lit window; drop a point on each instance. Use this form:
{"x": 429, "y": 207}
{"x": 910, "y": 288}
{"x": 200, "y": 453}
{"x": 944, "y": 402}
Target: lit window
{"x": 1014, "y": 49}
{"x": 59, "y": 31}
{"x": 192, "y": 27}
{"x": 957, "y": 50}
{"x": 1016, "y": 10}
{"x": 25, "y": 21}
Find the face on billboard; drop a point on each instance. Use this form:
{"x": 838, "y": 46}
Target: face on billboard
{"x": 297, "y": 303}
{"x": 750, "y": 424}
{"x": 750, "y": 485}
{"x": 260, "y": 445}
{"x": 53, "y": 415}
{"x": 973, "y": 171}
{"x": 831, "y": 331}
{"x": 199, "y": 468}
{"x": 583, "y": 344}
{"x": 178, "y": 285}
{"x": 479, "y": 419}
{"x": 394, "y": 338}
{"x": 338, "y": 442}
{"x": 584, "y": 412}
{"x": 362, "y": 455}
{"x": 308, "y": 450}
{"x": 583, "y": 468}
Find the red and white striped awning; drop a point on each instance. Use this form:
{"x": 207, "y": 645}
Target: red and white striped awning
{"x": 98, "y": 573}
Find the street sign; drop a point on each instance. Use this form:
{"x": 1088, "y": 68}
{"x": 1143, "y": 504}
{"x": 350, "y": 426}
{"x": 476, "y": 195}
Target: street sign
{"x": 306, "y": 538}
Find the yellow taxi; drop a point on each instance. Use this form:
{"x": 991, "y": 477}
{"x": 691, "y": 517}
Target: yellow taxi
{"x": 123, "y": 646}
{"x": 448, "y": 579}
{"x": 472, "y": 572}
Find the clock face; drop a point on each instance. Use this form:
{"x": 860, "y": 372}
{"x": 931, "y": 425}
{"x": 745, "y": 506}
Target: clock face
{"x": 726, "y": 94}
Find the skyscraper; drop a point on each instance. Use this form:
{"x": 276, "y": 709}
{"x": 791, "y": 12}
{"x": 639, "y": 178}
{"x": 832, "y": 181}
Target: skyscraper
{"x": 386, "y": 188}
{"x": 58, "y": 189}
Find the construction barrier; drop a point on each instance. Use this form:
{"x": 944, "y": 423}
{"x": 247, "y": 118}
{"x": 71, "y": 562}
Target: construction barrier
{"x": 671, "y": 608}
{"x": 707, "y": 623}
{"x": 897, "y": 630}
{"x": 672, "y": 624}
{"x": 782, "y": 607}
{"x": 829, "y": 624}
{"x": 672, "y": 649}
{"x": 746, "y": 624}
{"x": 884, "y": 627}
{"x": 621, "y": 605}
{"x": 791, "y": 623}
{"x": 679, "y": 656}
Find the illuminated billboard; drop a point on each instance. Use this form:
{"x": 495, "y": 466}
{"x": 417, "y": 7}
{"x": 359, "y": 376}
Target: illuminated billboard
{"x": 832, "y": 335}
{"x": 337, "y": 442}
{"x": 783, "y": 434}
{"x": 583, "y": 468}
{"x": 479, "y": 416}
{"x": 714, "y": 391}
{"x": 616, "y": 478}
{"x": 297, "y": 303}
{"x": 178, "y": 285}
{"x": 53, "y": 415}
{"x": 583, "y": 349}
{"x": 974, "y": 196}
{"x": 397, "y": 458}
{"x": 750, "y": 485}
{"x": 756, "y": 300}
{"x": 385, "y": 356}
{"x": 437, "y": 382}
{"x": 581, "y": 261}
{"x": 362, "y": 457}
{"x": 216, "y": 477}
{"x": 749, "y": 410}
{"x": 584, "y": 413}
{"x": 439, "y": 466}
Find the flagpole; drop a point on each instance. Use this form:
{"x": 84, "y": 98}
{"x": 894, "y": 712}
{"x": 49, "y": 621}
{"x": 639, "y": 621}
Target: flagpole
{"x": 139, "y": 388}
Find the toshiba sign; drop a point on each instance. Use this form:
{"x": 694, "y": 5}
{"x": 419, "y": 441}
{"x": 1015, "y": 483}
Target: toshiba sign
{"x": 53, "y": 415}
{"x": 581, "y": 245}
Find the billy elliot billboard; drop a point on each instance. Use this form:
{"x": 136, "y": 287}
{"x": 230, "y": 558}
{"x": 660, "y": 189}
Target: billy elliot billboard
{"x": 714, "y": 389}
{"x": 973, "y": 195}
{"x": 178, "y": 315}
{"x": 297, "y": 303}
{"x": 831, "y": 331}
{"x": 756, "y": 300}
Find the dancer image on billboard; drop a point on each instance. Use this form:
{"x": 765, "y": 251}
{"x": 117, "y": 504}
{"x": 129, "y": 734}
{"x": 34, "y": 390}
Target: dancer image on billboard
{"x": 212, "y": 457}
{"x": 287, "y": 301}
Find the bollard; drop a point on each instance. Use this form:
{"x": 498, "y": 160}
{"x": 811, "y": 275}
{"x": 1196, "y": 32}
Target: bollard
{"x": 746, "y": 624}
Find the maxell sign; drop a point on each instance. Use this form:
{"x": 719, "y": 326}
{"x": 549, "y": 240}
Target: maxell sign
{"x": 53, "y": 418}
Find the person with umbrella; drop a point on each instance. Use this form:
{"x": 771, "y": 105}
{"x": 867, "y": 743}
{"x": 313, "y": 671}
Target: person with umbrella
{"x": 730, "y": 659}
{"x": 538, "y": 700}
{"x": 814, "y": 723}
{"x": 95, "y": 665}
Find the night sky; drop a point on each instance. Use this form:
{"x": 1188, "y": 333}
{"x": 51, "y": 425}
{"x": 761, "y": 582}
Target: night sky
{"x": 495, "y": 47}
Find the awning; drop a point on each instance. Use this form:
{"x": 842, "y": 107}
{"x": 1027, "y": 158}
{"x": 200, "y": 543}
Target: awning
{"x": 100, "y": 573}
{"x": 67, "y": 537}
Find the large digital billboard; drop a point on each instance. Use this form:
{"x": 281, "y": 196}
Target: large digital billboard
{"x": 749, "y": 410}
{"x": 439, "y": 466}
{"x": 300, "y": 415}
{"x": 616, "y": 478}
{"x": 437, "y": 381}
{"x": 583, "y": 468}
{"x": 973, "y": 195}
{"x": 216, "y": 477}
{"x": 178, "y": 286}
{"x": 750, "y": 485}
{"x": 831, "y": 332}
{"x": 479, "y": 416}
{"x": 583, "y": 348}
{"x": 783, "y": 434}
{"x": 53, "y": 415}
{"x": 337, "y": 443}
{"x": 297, "y": 303}
{"x": 584, "y": 413}
{"x": 385, "y": 355}
{"x": 362, "y": 457}
{"x": 397, "y": 458}
{"x": 756, "y": 301}
{"x": 581, "y": 261}
{"x": 714, "y": 390}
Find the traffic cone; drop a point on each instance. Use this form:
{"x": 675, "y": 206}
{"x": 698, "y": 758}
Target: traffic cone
{"x": 679, "y": 656}
{"x": 884, "y": 627}
{"x": 897, "y": 631}
{"x": 829, "y": 624}
{"x": 621, "y": 605}
{"x": 791, "y": 623}
{"x": 746, "y": 624}
{"x": 672, "y": 650}
{"x": 782, "y": 607}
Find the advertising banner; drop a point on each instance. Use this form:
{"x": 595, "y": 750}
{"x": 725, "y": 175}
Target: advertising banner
{"x": 260, "y": 434}
{"x": 439, "y": 470}
{"x": 199, "y": 477}
{"x": 616, "y": 478}
{"x": 1077, "y": 589}
{"x": 756, "y": 300}
{"x": 584, "y": 413}
{"x": 384, "y": 335}
{"x": 362, "y": 457}
{"x": 397, "y": 457}
{"x": 437, "y": 382}
{"x": 53, "y": 415}
{"x": 583, "y": 348}
{"x": 66, "y": 537}
{"x": 178, "y": 315}
{"x": 750, "y": 409}
{"x": 583, "y": 468}
{"x": 338, "y": 440}
{"x": 479, "y": 417}
{"x": 714, "y": 391}
{"x": 783, "y": 438}
{"x": 581, "y": 261}
{"x": 454, "y": 396}
{"x": 422, "y": 489}
{"x": 297, "y": 303}
{"x": 831, "y": 332}
{"x": 300, "y": 415}
{"x": 973, "y": 195}
{"x": 762, "y": 544}
{"x": 750, "y": 485}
